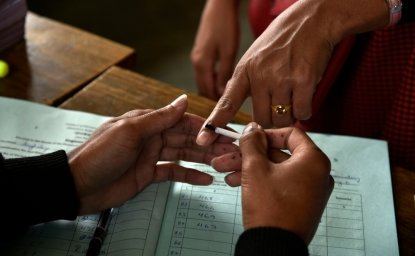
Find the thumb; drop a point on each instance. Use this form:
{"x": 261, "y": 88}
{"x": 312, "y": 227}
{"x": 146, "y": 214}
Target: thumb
{"x": 163, "y": 118}
{"x": 253, "y": 145}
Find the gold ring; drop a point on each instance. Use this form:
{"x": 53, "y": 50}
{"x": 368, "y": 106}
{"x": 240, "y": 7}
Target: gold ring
{"x": 281, "y": 109}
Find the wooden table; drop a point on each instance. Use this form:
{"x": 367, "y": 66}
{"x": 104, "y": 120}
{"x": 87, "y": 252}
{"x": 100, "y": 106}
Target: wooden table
{"x": 404, "y": 191}
{"x": 56, "y": 60}
{"x": 118, "y": 91}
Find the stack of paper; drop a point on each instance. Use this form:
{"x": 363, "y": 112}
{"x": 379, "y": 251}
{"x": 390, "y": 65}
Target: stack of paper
{"x": 12, "y": 22}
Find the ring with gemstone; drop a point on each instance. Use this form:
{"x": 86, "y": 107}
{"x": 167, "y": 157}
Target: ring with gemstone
{"x": 281, "y": 109}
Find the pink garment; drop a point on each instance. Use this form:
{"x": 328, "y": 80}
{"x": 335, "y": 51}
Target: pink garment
{"x": 280, "y": 6}
{"x": 373, "y": 95}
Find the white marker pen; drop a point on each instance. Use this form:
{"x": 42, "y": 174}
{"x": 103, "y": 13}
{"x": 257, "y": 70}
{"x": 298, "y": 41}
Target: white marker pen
{"x": 224, "y": 132}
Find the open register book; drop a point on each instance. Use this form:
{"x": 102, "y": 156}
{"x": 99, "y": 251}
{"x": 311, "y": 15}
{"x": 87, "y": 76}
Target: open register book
{"x": 180, "y": 219}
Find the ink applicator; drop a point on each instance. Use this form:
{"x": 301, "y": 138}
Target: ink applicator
{"x": 224, "y": 132}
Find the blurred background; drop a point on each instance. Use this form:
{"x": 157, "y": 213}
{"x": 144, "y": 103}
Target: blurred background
{"x": 161, "y": 32}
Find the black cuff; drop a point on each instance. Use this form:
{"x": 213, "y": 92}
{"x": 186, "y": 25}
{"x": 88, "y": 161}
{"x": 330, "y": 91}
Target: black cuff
{"x": 408, "y": 11}
{"x": 270, "y": 241}
{"x": 37, "y": 189}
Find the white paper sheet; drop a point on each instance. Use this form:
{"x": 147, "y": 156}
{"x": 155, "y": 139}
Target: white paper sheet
{"x": 359, "y": 218}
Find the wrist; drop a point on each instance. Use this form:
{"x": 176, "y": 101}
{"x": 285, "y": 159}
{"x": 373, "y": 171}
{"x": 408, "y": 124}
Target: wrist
{"x": 229, "y": 4}
{"x": 395, "y": 11}
{"x": 345, "y": 18}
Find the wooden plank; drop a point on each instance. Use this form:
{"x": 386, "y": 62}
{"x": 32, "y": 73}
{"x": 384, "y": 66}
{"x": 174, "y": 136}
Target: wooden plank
{"x": 55, "y": 60}
{"x": 119, "y": 90}
{"x": 404, "y": 191}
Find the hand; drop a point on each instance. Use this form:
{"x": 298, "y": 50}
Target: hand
{"x": 216, "y": 44}
{"x": 293, "y": 189}
{"x": 284, "y": 65}
{"x": 120, "y": 158}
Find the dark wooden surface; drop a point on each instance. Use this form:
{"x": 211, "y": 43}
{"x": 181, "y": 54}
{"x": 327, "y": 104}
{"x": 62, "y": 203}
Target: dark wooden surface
{"x": 404, "y": 192}
{"x": 55, "y": 60}
{"x": 119, "y": 90}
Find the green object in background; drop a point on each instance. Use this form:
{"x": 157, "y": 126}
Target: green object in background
{"x": 4, "y": 69}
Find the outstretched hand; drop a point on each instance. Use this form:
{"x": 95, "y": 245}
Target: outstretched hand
{"x": 284, "y": 65}
{"x": 121, "y": 158}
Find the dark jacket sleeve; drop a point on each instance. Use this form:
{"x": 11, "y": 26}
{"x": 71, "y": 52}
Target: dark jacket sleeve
{"x": 35, "y": 190}
{"x": 269, "y": 241}
{"x": 408, "y": 11}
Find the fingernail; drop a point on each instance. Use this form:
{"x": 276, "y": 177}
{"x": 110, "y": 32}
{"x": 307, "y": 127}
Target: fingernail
{"x": 179, "y": 101}
{"x": 202, "y": 138}
{"x": 213, "y": 162}
{"x": 251, "y": 127}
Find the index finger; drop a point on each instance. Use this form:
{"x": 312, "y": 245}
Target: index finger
{"x": 228, "y": 105}
{"x": 175, "y": 172}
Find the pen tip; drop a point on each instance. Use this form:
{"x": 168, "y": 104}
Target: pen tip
{"x": 210, "y": 127}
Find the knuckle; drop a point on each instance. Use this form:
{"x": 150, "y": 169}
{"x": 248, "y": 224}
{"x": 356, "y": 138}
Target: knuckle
{"x": 302, "y": 113}
{"x": 225, "y": 104}
{"x": 197, "y": 57}
{"x": 123, "y": 124}
{"x": 300, "y": 80}
{"x": 321, "y": 163}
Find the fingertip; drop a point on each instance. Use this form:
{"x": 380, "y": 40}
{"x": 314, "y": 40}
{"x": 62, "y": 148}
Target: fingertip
{"x": 233, "y": 179}
{"x": 206, "y": 136}
{"x": 180, "y": 102}
{"x": 205, "y": 180}
{"x": 160, "y": 119}
{"x": 196, "y": 177}
{"x": 203, "y": 138}
{"x": 253, "y": 143}
{"x": 303, "y": 115}
{"x": 302, "y": 110}
{"x": 251, "y": 127}
{"x": 213, "y": 162}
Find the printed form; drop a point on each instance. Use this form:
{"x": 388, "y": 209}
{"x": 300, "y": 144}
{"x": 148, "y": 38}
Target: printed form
{"x": 195, "y": 220}
{"x": 34, "y": 129}
{"x": 359, "y": 218}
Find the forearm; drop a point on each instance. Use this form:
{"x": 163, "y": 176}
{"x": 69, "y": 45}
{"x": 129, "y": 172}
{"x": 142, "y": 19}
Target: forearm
{"x": 337, "y": 19}
{"x": 36, "y": 189}
{"x": 221, "y": 4}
